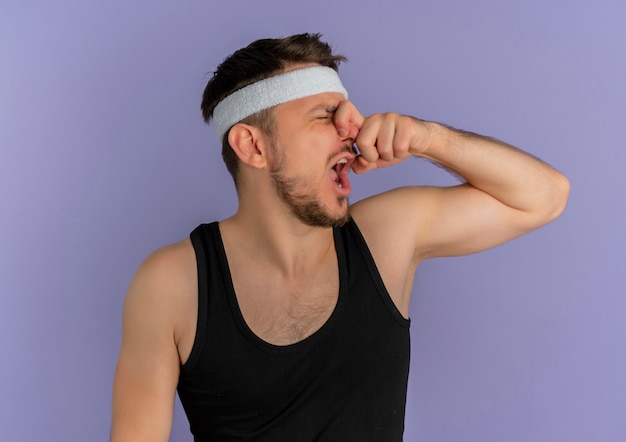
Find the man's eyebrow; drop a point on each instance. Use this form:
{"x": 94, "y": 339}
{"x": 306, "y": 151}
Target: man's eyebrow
{"x": 330, "y": 109}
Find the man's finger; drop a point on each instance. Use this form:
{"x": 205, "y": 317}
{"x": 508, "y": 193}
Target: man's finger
{"x": 348, "y": 120}
{"x": 361, "y": 165}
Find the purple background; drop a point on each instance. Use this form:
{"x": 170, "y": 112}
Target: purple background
{"x": 104, "y": 157}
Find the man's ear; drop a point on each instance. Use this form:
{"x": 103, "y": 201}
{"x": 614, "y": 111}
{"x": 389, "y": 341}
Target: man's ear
{"x": 248, "y": 144}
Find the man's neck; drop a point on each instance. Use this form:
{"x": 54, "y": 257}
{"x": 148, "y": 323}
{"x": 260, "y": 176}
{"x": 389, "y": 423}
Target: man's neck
{"x": 283, "y": 242}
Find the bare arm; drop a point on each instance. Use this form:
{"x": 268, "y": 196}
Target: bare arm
{"x": 148, "y": 366}
{"x": 507, "y": 194}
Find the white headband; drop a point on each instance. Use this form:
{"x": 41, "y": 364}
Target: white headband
{"x": 272, "y": 91}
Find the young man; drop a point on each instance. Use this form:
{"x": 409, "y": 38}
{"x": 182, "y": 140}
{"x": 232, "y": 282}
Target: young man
{"x": 289, "y": 320}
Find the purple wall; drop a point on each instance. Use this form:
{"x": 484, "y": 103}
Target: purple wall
{"x": 104, "y": 157}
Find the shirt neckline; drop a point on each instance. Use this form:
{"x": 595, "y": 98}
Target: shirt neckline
{"x": 243, "y": 326}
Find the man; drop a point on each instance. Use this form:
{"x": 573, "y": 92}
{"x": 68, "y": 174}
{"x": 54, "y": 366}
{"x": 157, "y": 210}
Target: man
{"x": 288, "y": 321}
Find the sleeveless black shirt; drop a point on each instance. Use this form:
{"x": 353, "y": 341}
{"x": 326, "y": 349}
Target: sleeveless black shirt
{"x": 346, "y": 382}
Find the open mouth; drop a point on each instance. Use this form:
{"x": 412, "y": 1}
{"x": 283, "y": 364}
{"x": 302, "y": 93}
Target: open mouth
{"x": 339, "y": 168}
{"x": 340, "y": 175}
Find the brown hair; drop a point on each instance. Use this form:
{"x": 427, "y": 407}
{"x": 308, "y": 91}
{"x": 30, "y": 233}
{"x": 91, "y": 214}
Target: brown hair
{"x": 259, "y": 60}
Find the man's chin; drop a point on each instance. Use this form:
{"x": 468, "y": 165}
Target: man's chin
{"x": 344, "y": 218}
{"x": 324, "y": 219}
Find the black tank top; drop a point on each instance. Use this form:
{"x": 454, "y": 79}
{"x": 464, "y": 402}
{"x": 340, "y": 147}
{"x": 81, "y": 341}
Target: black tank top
{"x": 346, "y": 382}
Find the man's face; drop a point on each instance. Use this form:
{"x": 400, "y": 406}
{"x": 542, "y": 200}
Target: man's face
{"x": 310, "y": 161}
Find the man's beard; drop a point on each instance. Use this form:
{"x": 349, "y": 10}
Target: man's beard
{"x": 304, "y": 205}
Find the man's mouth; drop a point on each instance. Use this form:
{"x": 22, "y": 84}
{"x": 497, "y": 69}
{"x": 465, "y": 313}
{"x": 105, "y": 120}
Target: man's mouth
{"x": 341, "y": 169}
{"x": 341, "y": 164}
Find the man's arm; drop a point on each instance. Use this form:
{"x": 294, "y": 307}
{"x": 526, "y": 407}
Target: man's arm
{"x": 148, "y": 366}
{"x": 508, "y": 192}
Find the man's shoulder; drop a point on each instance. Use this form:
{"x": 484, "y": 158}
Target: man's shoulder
{"x": 166, "y": 275}
{"x": 169, "y": 261}
{"x": 393, "y": 222}
{"x": 388, "y": 208}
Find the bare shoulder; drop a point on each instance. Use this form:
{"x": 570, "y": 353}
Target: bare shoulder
{"x": 164, "y": 289}
{"x": 376, "y": 207}
{"x": 388, "y": 222}
{"x": 166, "y": 270}
{"x": 392, "y": 218}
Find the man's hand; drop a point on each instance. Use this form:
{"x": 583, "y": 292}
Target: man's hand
{"x": 382, "y": 139}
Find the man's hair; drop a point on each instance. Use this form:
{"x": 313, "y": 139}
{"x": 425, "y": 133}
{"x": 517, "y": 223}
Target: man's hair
{"x": 259, "y": 60}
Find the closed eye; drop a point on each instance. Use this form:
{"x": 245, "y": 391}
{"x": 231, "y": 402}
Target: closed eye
{"x": 330, "y": 113}
{"x": 324, "y": 112}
